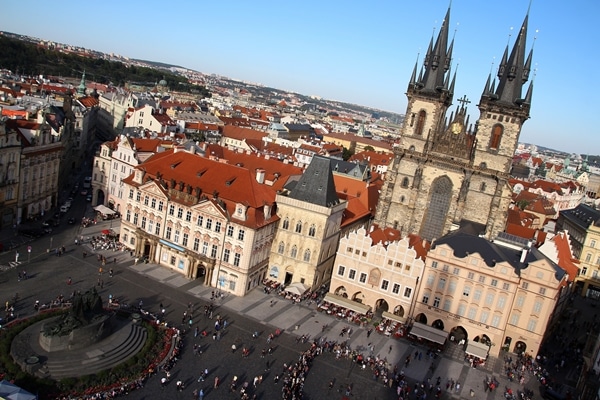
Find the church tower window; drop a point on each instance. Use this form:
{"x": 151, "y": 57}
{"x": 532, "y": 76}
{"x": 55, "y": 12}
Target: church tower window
{"x": 405, "y": 182}
{"x": 420, "y": 123}
{"x": 497, "y": 131}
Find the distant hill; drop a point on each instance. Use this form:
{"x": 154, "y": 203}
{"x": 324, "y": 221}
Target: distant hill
{"x": 159, "y": 64}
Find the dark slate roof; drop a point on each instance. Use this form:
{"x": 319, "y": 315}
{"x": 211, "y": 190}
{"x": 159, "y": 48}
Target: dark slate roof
{"x": 353, "y": 169}
{"x": 316, "y": 184}
{"x": 582, "y": 215}
{"x": 464, "y": 244}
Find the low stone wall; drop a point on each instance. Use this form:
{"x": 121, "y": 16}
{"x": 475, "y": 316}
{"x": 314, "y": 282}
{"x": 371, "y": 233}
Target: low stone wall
{"x": 80, "y": 337}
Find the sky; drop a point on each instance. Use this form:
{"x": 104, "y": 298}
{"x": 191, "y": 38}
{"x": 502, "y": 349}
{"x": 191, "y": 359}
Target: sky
{"x": 361, "y": 52}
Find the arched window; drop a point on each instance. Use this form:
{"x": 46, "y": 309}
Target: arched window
{"x": 411, "y": 148}
{"x": 307, "y": 255}
{"x": 420, "y": 123}
{"x": 402, "y": 198}
{"x": 286, "y": 224}
{"x": 497, "y": 131}
{"x": 294, "y": 252}
{"x": 404, "y": 182}
{"x": 312, "y": 230}
{"x": 434, "y": 220}
{"x": 299, "y": 227}
{"x": 483, "y": 186}
{"x": 281, "y": 248}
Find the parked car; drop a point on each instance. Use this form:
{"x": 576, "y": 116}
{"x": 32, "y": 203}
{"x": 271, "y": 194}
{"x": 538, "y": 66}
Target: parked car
{"x": 64, "y": 208}
{"x": 89, "y": 197}
{"x": 84, "y": 192}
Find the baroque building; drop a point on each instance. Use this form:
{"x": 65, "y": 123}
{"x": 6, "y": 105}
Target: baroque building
{"x": 446, "y": 173}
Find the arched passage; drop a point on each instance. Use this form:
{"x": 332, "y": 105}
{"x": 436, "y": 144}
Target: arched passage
{"x": 359, "y": 297}
{"x": 421, "y": 318}
{"x": 458, "y": 333}
{"x": 399, "y": 311}
{"x": 520, "y": 347}
{"x": 438, "y": 324}
{"x": 341, "y": 291}
{"x": 381, "y": 305}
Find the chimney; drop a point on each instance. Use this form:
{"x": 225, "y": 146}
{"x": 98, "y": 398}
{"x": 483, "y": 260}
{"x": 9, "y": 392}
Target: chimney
{"x": 260, "y": 175}
{"x": 523, "y": 255}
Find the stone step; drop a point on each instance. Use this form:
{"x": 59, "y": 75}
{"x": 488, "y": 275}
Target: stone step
{"x": 120, "y": 347}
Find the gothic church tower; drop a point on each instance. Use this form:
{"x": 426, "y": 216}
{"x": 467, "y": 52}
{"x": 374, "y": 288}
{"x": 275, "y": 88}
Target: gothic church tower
{"x": 447, "y": 174}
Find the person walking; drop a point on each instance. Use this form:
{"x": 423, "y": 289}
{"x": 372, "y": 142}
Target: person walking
{"x": 217, "y": 382}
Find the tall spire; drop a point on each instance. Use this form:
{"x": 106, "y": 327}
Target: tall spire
{"x": 81, "y": 88}
{"x": 514, "y": 72}
{"x": 437, "y": 59}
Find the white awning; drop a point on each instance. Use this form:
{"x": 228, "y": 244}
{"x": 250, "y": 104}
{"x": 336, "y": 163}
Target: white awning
{"x": 393, "y": 317}
{"x": 429, "y": 333}
{"x": 477, "y": 349}
{"x": 104, "y": 210}
{"x": 349, "y": 304}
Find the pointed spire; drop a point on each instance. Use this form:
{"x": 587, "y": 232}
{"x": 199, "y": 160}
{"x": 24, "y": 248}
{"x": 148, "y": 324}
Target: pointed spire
{"x": 413, "y": 77}
{"x": 503, "y": 62}
{"x": 486, "y": 88}
{"x": 449, "y": 55}
{"x": 527, "y": 67}
{"x": 451, "y": 89}
{"x": 529, "y": 94}
{"x": 437, "y": 62}
{"x": 511, "y": 79}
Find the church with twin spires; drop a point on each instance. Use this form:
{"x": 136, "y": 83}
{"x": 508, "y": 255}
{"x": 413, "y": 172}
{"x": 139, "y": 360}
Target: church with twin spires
{"x": 448, "y": 174}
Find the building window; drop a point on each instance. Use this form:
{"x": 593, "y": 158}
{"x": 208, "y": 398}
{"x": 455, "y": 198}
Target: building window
{"x": 157, "y": 231}
{"x": 494, "y": 282}
{"x": 583, "y": 271}
{"x": 496, "y": 136}
{"x": 505, "y": 286}
{"x": 131, "y": 193}
{"x": 146, "y": 200}
{"x": 520, "y": 301}
{"x": 184, "y": 242}
{"x": 542, "y": 291}
{"x": 495, "y": 321}
{"x": 456, "y": 271}
{"x": 213, "y": 251}
{"x": 138, "y": 196}
{"x": 514, "y": 319}
{"x": 173, "y": 260}
{"x": 461, "y": 310}
{"x": 299, "y": 227}
{"x": 200, "y": 220}
{"x": 179, "y": 212}
{"x": 436, "y": 302}
{"x": 143, "y": 226}
{"x": 489, "y": 299}
{"x": 171, "y": 209}
{"x": 396, "y": 288}
{"x": 294, "y": 252}
{"x": 405, "y": 182}
{"x": 425, "y": 298}
{"x": 226, "y": 254}
{"x": 434, "y": 265}
{"x": 341, "y": 270}
{"x": 477, "y": 295}
{"x": 128, "y": 216}
{"x": 241, "y": 234}
{"x": 472, "y": 313}
{"x": 135, "y": 219}
{"x": 205, "y": 248}
{"x": 312, "y": 231}
{"x": 160, "y": 205}
{"x": 176, "y": 238}
{"x": 471, "y": 275}
{"x": 286, "y": 224}
{"x": 362, "y": 278}
{"x": 420, "y": 123}
{"x": 481, "y": 279}
{"x": 208, "y": 223}
{"x": 230, "y": 231}
{"x": 188, "y": 216}
{"x": 451, "y": 287}
{"x": 537, "y": 307}
{"x": 430, "y": 280}
{"x": 525, "y": 285}
{"x": 236, "y": 259}
{"x": 447, "y": 305}
{"x": 466, "y": 291}
{"x": 150, "y": 226}
{"x": 445, "y": 268}
{"x": 384, "y": 284}
{"x": 531, "y": 325}
{"x": 307, "y": 258}
{"x": 592, "y": 243}
{"x": 407, "y": 292}
{"x": 153, "y": 203}
{"x": 196, "y": 244}
{"x": 168, "y": 233}
{"x": 217, "y": 227}
{"x": 588, "y": 257}
{"x": 484, "y": 317}
{"x": 281, "y": 248}
{"x": 501, "y": 302}
{"x": 442, "y": 284}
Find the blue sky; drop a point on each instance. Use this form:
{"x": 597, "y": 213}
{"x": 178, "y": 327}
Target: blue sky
{"x": 360, "y": 52}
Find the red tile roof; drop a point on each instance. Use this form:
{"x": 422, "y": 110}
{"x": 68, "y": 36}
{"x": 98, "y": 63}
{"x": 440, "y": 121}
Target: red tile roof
{"x": 565, "y": 257}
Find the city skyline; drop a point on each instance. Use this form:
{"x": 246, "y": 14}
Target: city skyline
{"x": 350, "y": 52}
